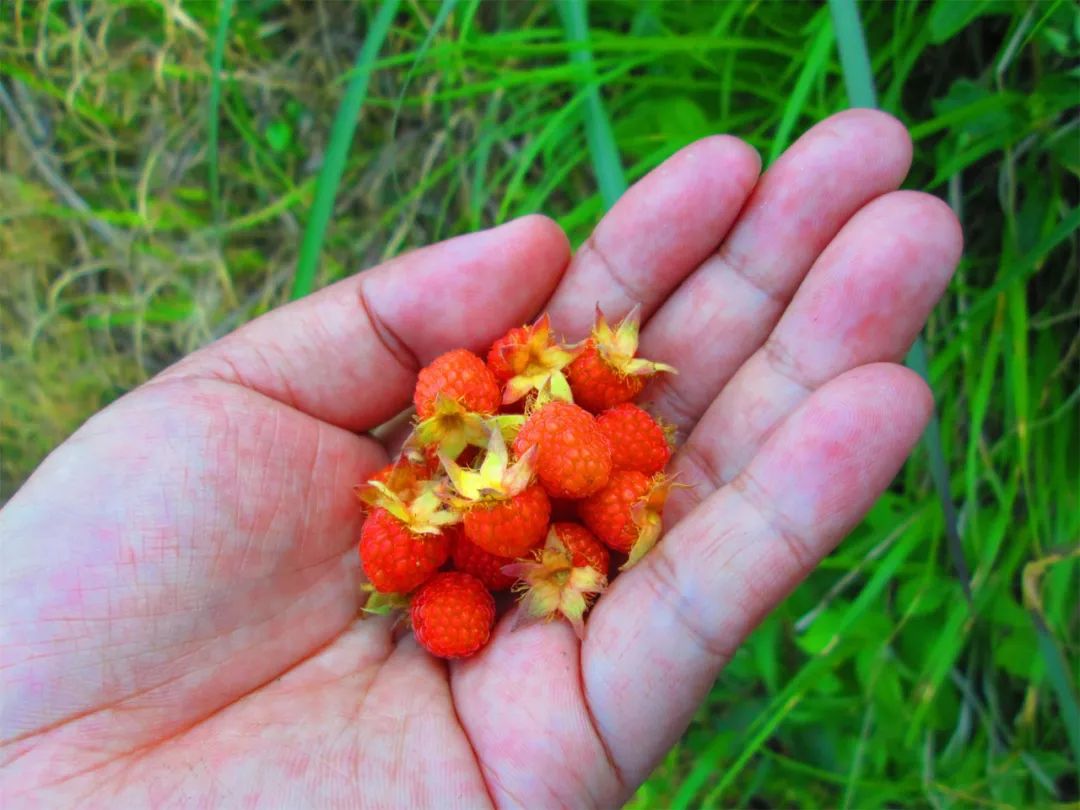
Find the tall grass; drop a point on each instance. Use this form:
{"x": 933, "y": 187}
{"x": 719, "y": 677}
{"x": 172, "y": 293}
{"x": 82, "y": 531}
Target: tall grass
{"x": 337, "y": 150}
{"x": 217, "y": 59}
{"x": 607, "y": 166}
{"x": 859, "y": 81}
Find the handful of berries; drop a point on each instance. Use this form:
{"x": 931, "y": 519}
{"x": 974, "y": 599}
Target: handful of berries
{"x": 523, "y": 473}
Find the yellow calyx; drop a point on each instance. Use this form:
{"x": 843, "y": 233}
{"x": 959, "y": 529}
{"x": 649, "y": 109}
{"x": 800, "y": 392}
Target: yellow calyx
{"x": 403, "y": 481}
{"x": 537, "y": 362}
{"x": 618, "y": 347}
{"x": 551, "y": 585}
{"x": 647, "y": 514}
{"x": 425, "y": 513}
{"x": 451, "y": 427}
{"x": 496, "y": 478}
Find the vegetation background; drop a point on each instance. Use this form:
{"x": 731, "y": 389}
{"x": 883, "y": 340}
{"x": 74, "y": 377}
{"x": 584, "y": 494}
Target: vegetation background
{"x": 172, "y": 169}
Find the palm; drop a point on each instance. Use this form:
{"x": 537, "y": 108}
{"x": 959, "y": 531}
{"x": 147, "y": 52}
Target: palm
{"x": 185, "y": 568}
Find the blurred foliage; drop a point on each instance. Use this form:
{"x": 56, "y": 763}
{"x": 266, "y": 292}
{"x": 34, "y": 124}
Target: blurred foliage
{"x": 876, "y": 684}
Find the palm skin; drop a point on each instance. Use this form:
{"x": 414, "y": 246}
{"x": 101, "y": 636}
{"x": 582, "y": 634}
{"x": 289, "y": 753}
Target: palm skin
{"x": 181, "y": 579}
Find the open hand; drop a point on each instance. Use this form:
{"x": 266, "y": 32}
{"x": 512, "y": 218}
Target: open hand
{"x": 181, "y": 580}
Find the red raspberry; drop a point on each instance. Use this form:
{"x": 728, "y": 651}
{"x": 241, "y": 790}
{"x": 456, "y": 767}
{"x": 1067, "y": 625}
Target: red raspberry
{"x": 597, "y": 385}
{"x": 562, "y": 578}
{"x": 503, "y": 510}
{"x": 608, "y": 372}
{"x": 452, "y": 615}
{"x": 583, "y": 546}
{"x": 637, "y": 440}
{"x": 469, "y": 558}
{"x": 460, "y": 376}
{"x": 573, "y": 456}
{"x": 509, "y": 527}
{"x": 395, "y": 559}
{"x": 503, "y": 353}
{"x": 528, "y": 358}
{"x": 626, "y": 514}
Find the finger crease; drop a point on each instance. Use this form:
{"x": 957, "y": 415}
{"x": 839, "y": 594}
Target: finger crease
{"x": 391, "y": 343}
{"x": 616, "y": 771}
{"x": 663, "y": 580}
{"x": 781, "y": 360}
{"x": 627, "y": 290}
{"x": 220, "y": 366}
{"x": 750, "y": 491}
{"x": 740, "y": 266}
{"x": 703, "y": 463}
{"x": 683, "y": 413}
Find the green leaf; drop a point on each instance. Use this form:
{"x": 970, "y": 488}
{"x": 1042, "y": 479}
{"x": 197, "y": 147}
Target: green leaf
{"x": 279, "y": 136}
{"x": 1063, "y": 682}
{"x": 764, "y": 644}
{"x": 950, "y": 17}
{"x": 823, "y": 631}
{"x": 854, "y": 60}
{"x": 1017, "y": 652}
{"x": 880, "y": 681}
{"x": 975, "y": 111}
{"x": 921, "y": 597}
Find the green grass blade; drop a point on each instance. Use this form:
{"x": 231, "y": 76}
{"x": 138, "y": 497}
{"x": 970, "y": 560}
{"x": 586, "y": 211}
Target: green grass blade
{"x": 918, "y": 362}
{"x": 605, "y": 155}
{"x": 859, "y": 81}
{"x": 784, "y": 702}
{"x": 212, "y": 121}
{"x": 854, "y": 59}
{"x": 341, "y": 136}
{"x": 1061, "y": 681}
{"x": 817, "y": 59}
{"x": 446, "y": 8}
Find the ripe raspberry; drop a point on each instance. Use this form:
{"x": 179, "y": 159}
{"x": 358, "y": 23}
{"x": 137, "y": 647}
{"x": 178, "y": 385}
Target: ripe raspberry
{"x": 403, "y": 540}
{"x": 637, "y": 440}
{"x": 500, "y": 357}
{"x": 510, "y": 527}
{"x": 626, "y": 514}
{"x": 562, "y": 578}
{"x": 460, "y": 376}
{"x": 394, "y": 558}
{"x": 607, "y": 373}
{"x": 573, "y": 456}
{"x": 505, "y": 513}
{"x": 452, "y": 615}
{"x": 596, "y": 385}
{"x": 583, "y": 546}
{"x": 527, "y": 358}
{"x": 469, "y": 558}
